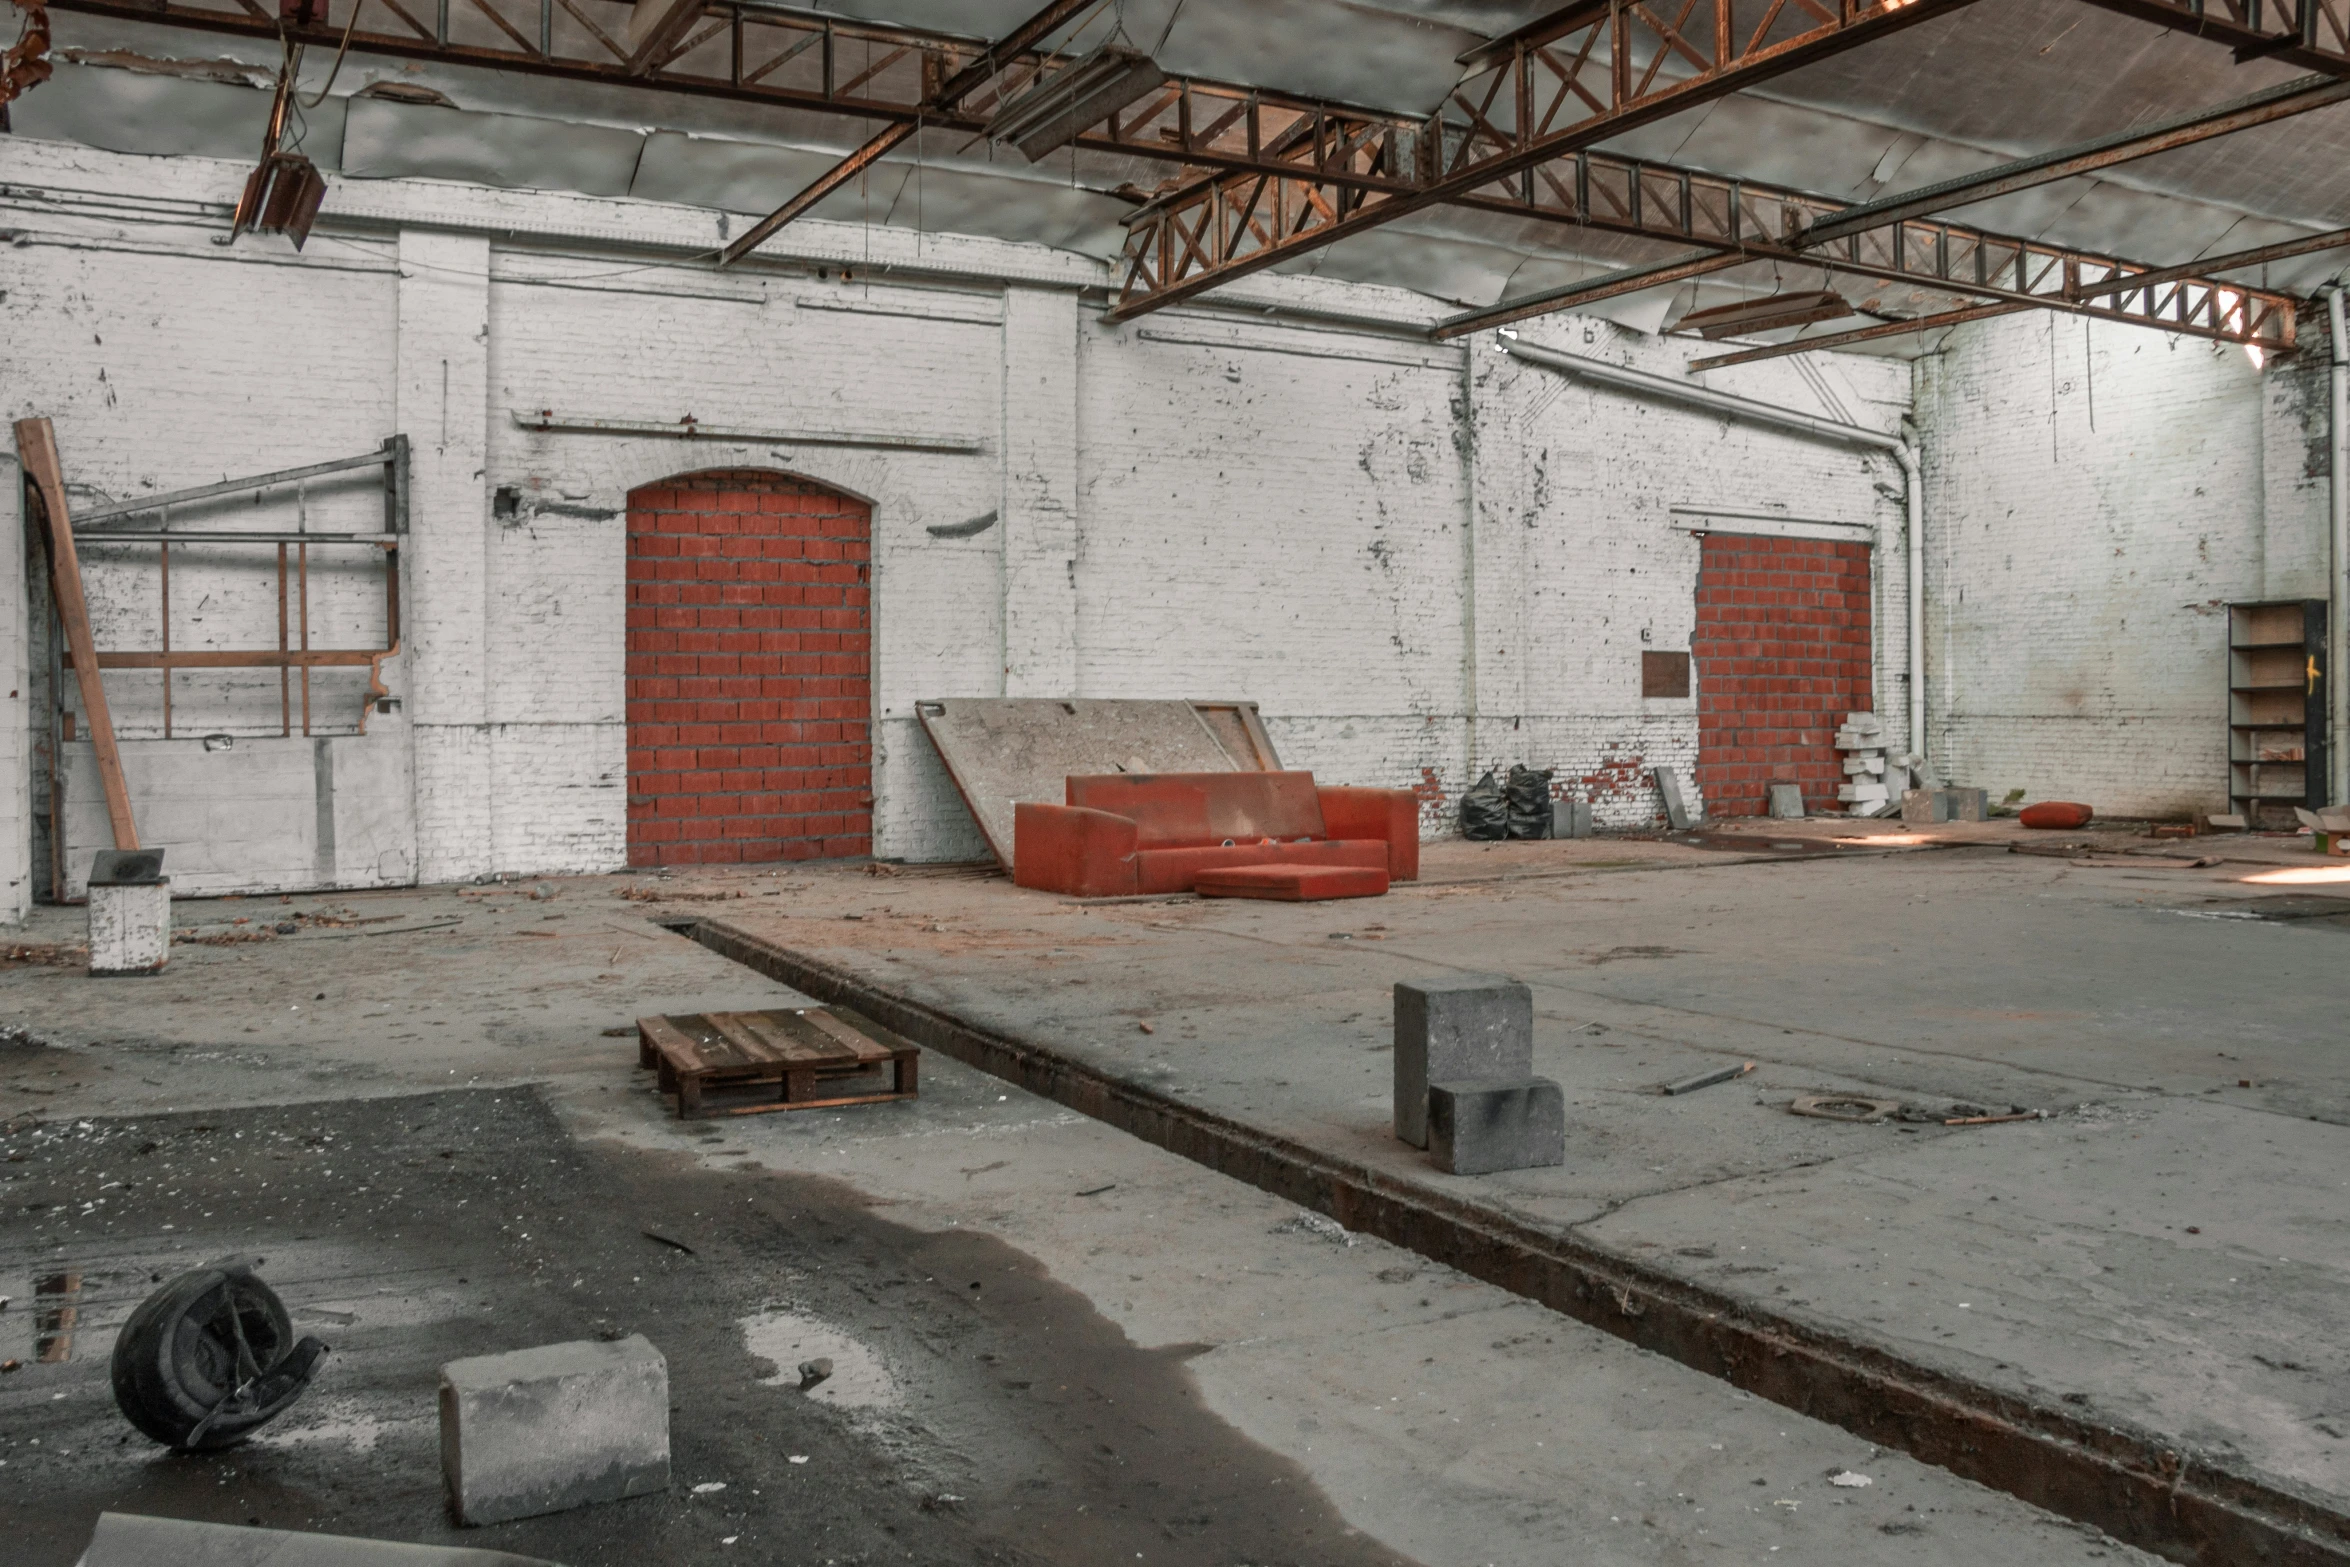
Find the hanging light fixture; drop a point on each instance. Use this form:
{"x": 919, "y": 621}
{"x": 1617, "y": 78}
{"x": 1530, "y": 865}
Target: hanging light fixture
{"x": 1049, "y": 115}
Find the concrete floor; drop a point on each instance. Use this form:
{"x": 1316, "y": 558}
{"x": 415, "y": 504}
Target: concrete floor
{"x": 1438, "y": 1418}
{"x": 2165, "y": 1252}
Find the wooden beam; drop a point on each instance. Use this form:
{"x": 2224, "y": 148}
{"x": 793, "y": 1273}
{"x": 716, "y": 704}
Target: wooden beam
{"x": 36, "y": 450}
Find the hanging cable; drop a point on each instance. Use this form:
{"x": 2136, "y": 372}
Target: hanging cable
{"x": 349, "y": 28}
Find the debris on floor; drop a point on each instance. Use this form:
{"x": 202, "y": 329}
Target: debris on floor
{"x": 210, "y": 1358}
{"x": 1867, "y": 789}
{"x": 1843, "y": 1107}
{"x": 1720, "y": 1074}
{"x": 554, "y": 1427}
{"x": 2055, "y": 816}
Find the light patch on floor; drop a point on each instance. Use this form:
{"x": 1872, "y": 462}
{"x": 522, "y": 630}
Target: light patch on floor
{"x": 339, "y": 1424}
{"x": 859, "y": 1380}
{"x": 2300, "y": 876}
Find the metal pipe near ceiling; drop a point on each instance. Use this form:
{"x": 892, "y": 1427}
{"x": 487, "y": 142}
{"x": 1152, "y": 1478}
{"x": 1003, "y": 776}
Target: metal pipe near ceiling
{"x": 2338, "y": 555}
{"x": 1643, "y": 384}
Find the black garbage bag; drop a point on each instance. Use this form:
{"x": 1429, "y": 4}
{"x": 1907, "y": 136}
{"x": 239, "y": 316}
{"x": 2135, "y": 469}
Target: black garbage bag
{"x": 1485, "y": 811}
{"x": 210, "y": 1357}
{"x": 1529, "y": 797}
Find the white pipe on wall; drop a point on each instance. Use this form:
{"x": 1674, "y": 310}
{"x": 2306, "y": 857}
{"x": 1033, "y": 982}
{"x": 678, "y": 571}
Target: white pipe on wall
{"x": 2338, "y": 557}
{"x": 1640, "y": 381}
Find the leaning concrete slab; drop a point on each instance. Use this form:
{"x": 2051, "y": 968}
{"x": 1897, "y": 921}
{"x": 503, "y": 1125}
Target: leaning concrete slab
{"x": 132, "y": 1540}
{"x": 557, "y": 1426}
{"x": 1457, "y": 1026}
{"x": 1481, "y": 1125}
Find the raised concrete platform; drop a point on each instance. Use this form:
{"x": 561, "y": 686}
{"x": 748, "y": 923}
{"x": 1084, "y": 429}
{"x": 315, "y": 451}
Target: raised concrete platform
{"x": 2117, "y": 1312}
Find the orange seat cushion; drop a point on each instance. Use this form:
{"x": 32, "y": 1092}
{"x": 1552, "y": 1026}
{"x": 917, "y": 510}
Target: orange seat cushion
{"x": 2061, "y": 815}
{"x": 1175, "y": 870}
{"x": 1293, "y": 883}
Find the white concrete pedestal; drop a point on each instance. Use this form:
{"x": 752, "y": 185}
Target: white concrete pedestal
{"x": 130, "y": 927}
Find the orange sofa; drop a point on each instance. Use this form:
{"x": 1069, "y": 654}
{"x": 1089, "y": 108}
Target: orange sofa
{"x": 1124, "y": 833}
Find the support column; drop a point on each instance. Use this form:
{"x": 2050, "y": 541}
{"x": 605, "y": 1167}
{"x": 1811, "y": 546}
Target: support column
{"x": 443, "y": 407}
{"x": 16, "y": 717}
{"x": 1040, "y": 492}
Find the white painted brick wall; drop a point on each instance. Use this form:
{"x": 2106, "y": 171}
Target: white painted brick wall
{"x": 1272, "y": 509}
{"x": 2095, "y": 496}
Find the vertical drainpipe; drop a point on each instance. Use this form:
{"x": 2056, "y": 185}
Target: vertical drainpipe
{"x": 1641, "y": 381}
{"x": 1469, "y": 558}
{"x": 1914, "y": 526}
{"x": 2338, "y": 555}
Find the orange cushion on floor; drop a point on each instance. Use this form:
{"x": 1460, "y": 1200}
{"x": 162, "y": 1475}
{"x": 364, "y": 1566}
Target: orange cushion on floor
{"x": 1292, "y": 883}
{"x": 2062, "y": 815}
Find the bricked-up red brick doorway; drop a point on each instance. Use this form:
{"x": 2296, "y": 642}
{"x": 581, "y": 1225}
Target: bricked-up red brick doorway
{"x": 749, "y": 670}
{"x": 1782, "y": 649}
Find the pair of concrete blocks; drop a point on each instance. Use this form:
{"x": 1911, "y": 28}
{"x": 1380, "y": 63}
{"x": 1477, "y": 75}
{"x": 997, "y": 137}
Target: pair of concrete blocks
{"x": 1465, "y": 1088}
{"x": 1925, "y": 807}
{"x": 558, "y": 1426}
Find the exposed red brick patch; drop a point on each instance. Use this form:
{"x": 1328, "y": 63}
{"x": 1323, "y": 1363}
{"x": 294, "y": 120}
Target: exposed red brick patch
{"x": 1782, "y": 650}
{"x": 749, "y": 690}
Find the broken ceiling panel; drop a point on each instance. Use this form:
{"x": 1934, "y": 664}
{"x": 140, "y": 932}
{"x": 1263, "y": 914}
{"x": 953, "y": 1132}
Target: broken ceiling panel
{"x": 1376, "y": 56}
{"x": 142, "y": 112}
{"x": 386, "y": 140}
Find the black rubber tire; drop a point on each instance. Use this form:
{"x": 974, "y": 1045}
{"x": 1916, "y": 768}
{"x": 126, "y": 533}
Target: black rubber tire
{"x": 175, "y": 1361}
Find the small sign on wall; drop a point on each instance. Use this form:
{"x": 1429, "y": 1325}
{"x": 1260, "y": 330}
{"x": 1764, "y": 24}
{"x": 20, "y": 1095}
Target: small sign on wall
{"x": 1664, "y": 674}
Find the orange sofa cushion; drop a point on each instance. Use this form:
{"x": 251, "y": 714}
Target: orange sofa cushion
{"x": 1175, "y": 870}
{"x": 1284, "y": 883}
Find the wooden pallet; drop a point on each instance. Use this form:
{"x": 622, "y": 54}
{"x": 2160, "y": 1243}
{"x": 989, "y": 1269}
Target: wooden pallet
{"x": 746, "y": 1063}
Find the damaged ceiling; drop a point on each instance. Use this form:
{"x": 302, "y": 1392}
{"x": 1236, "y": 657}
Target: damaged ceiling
{"x": 1955, "y": 94}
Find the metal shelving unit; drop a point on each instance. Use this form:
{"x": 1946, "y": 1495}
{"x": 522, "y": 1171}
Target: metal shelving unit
{"x": 2276, "y": 709}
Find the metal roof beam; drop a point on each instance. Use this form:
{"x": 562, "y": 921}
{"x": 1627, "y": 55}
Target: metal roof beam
{"x": 2313, "y": 34}
{"x": 946, "y": 95}
{"x": 2261, "y": 108}
{"x": 1602, "y": 68}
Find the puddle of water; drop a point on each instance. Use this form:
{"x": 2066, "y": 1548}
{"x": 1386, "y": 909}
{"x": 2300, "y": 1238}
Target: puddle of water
{"x": 56, "y": 1309}
{"x": 859, "y": 1380}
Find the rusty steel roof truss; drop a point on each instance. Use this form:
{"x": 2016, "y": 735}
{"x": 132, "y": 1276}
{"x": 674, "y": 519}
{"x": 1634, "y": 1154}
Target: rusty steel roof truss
{"x": 1258, "y": 176}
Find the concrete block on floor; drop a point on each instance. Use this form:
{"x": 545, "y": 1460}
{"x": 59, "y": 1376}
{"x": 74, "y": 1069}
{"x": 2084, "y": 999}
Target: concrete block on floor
{"x": 1477, "y": 1126}
{"x": 554, "y": 1427}
{"x": 1462, "y": 1026}
{"x": 1925, "y": 807}
{"x": 1570, "y": 818}
{"x": 1787, "y": 801}
{"x": 1969, "y": 805}
{"x": 129, "y": 912}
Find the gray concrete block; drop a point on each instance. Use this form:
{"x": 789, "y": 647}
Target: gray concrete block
{"x": 1570, "y": 818}
{"x": 1786, "y": 801}
{"x": 1464, "y": 1026}
{"x": 1969, "y": 805}
{"x": 554, "y": 1427}
{"x": 1925, "y": 807}
{"x": 1479, "y": 1125}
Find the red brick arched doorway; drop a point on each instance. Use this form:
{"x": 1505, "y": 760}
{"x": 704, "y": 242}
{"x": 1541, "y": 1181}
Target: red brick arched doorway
{"x": 749, "y": 670}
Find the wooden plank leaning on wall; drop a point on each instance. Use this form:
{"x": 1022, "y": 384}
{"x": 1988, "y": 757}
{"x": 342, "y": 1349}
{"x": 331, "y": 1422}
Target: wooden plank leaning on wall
{"x": 36, "y": 448}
